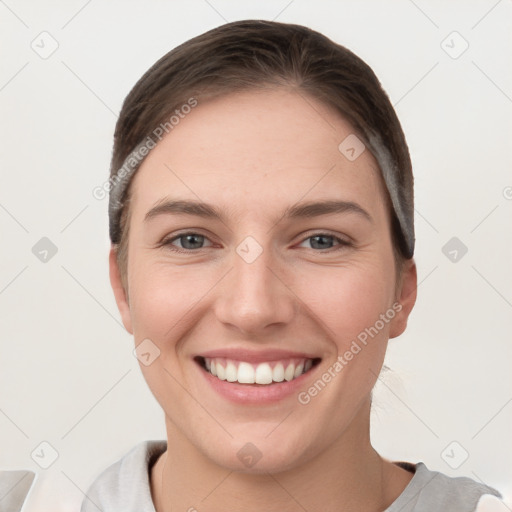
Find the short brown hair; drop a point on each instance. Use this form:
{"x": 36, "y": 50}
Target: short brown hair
{"x": 252, "y": 54}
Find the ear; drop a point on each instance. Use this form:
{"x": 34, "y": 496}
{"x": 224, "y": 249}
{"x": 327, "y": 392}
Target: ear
{"x": 119, "y": 291}
{"x": 406, "y": 296}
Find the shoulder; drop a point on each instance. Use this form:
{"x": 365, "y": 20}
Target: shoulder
{"x": 124, "y": 486}
{"x": 490, "y": 503}
{"x": 432, "y": 490}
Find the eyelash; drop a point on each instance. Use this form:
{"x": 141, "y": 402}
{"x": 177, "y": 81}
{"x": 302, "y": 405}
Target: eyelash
{"x": 342, "y": 243}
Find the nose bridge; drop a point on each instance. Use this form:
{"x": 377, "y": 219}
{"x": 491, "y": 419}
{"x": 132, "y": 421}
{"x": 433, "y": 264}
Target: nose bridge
{"x": 254, "y": 295}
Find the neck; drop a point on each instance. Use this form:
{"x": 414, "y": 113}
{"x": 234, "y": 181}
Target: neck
{"x": 349, "y": 475}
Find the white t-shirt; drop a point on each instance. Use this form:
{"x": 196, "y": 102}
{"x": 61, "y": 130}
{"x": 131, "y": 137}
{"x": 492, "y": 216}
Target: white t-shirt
{"x": 125, "y": 487}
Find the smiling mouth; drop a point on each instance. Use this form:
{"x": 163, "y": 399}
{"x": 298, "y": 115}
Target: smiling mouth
{"x": 264, "y": 373}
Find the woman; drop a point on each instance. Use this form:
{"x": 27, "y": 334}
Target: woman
{"x": 261, "y": 219}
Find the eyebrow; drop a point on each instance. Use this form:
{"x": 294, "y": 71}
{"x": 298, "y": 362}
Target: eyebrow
{"x": 305, "y": 210}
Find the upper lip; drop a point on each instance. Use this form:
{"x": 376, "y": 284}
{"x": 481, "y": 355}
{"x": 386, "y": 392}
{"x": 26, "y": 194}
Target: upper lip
{"x": 256, "y": 356}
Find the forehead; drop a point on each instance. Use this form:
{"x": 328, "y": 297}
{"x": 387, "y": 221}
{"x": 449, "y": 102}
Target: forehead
{"x": 261, "y": 147}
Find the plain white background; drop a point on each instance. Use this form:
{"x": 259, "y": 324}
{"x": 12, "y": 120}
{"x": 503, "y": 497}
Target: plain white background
{"x": 67, "y": 373}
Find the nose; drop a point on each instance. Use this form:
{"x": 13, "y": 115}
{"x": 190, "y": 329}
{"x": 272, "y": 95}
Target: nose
{"x": 255, "y": 295}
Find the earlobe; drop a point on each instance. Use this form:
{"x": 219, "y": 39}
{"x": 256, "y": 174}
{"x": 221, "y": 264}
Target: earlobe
{"x": 406, "y": 298}
{"x": 119, "y": 291}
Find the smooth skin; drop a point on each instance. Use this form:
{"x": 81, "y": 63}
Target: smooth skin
{"x": 252, "y": 155}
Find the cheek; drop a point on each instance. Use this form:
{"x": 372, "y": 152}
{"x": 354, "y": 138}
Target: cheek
{"x": 161, "y": 298}
{"x": 165, "y": 303}
{"x": 347, "y": 300}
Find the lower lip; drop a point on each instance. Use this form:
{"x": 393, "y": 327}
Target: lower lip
{"x": 256, "y": 393}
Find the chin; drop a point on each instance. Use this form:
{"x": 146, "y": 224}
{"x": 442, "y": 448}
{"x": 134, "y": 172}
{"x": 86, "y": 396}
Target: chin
{"x": 259, "y": 456}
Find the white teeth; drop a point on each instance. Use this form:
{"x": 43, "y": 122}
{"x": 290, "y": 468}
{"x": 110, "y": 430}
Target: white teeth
{"x": 263, "y": 373}
{"x": 289, "y": 372}
{"x": 278, "y": 373}
{"x": 231, "y": 372}
{"x": 221, "y": 372}
{"x": 245, "y": 373}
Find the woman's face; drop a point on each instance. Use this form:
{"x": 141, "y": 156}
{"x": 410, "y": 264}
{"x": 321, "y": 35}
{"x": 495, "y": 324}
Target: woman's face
{"x": 261, "y": 251}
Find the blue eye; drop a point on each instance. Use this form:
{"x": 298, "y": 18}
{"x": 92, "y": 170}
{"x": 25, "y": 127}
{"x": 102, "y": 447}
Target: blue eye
{"x": 324, "y": 241}
{"x": 189, "y": 242}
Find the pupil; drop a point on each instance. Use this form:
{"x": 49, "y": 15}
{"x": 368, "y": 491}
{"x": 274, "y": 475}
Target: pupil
{"x": 320, "y": 237}
{"x": 194, "y": 240}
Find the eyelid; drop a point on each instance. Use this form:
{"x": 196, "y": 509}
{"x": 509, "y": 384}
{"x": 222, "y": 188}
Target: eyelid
{"x": 343, "y": 240}
{"x": 319, "y": 232}
{"x": 167, "y": 240}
